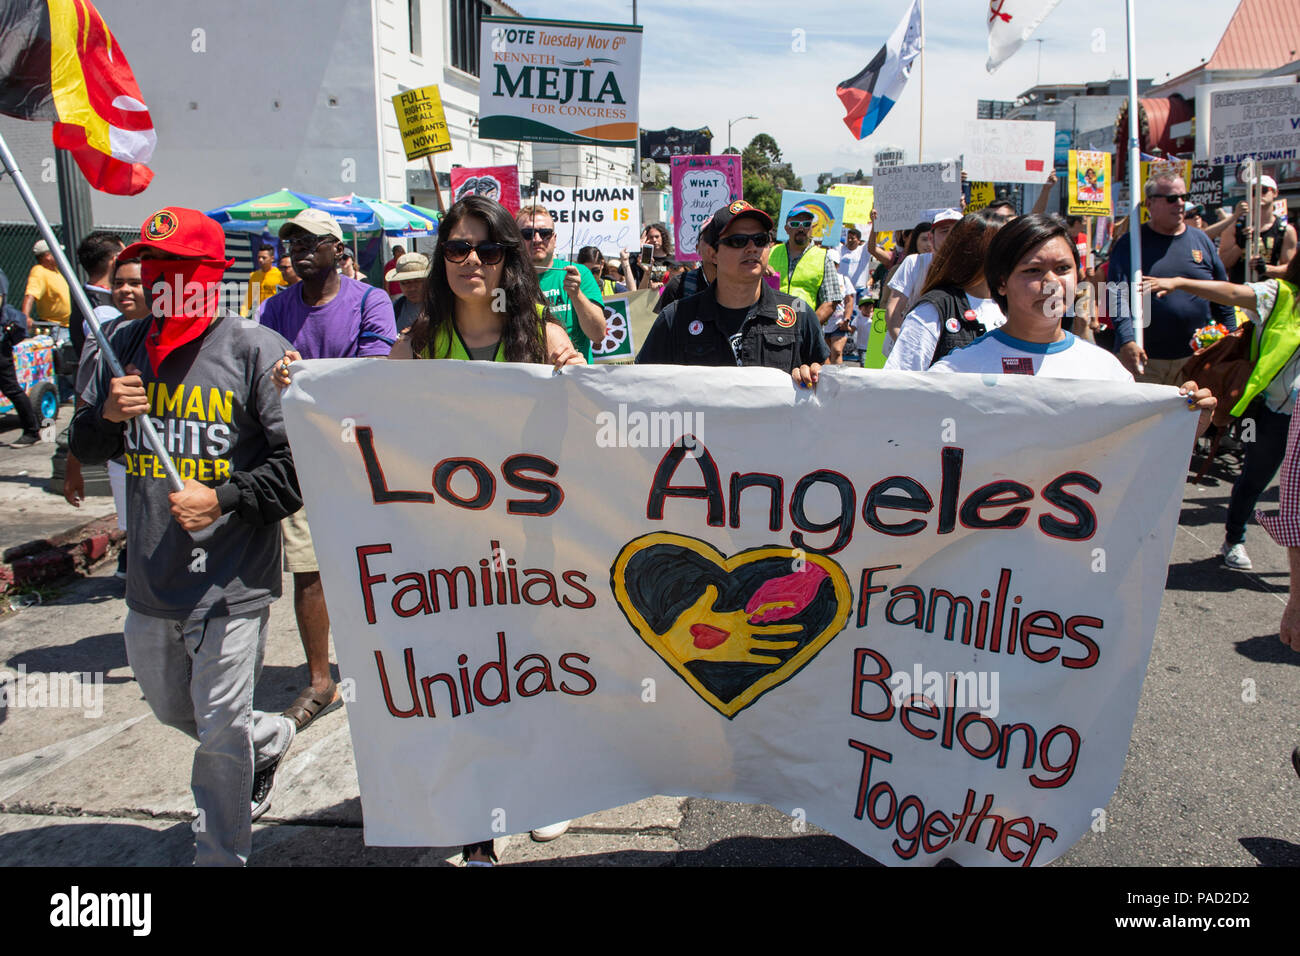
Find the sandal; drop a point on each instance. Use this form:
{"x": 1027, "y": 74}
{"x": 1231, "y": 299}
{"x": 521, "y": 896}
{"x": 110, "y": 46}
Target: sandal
{"x": 311, "y": 705}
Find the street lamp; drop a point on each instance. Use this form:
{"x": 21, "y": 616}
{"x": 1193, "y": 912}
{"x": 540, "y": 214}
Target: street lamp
{"x": 731, "y": 123}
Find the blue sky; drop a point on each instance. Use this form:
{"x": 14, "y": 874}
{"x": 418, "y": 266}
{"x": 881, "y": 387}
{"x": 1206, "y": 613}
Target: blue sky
{"x": 706, "y": 62}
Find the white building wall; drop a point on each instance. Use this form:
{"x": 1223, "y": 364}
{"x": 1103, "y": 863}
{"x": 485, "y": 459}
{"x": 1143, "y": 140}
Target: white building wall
{"x": 246, "y": 97}
{"x": 400, "y": 69}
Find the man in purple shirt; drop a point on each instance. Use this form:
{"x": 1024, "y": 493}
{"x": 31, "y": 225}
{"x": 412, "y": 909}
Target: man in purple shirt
{"x": 326, "y": 315}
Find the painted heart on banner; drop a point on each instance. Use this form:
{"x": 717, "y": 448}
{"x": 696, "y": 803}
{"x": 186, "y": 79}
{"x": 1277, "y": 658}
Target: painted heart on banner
{"x": 731, "y": 627}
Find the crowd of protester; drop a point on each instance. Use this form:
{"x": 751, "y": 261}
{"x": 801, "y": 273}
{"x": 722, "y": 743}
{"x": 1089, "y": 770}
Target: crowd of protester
{"x": 987, "y": 292}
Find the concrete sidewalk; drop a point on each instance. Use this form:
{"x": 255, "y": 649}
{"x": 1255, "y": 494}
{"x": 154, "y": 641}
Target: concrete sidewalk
{"x": 42, "y": 537}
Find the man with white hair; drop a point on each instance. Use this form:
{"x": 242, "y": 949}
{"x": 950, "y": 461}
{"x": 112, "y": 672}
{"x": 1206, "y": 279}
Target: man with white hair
{"x": 1169, "y": 249}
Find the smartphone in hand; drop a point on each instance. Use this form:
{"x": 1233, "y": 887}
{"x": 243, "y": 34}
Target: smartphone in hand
{"x": 647, "y": 255}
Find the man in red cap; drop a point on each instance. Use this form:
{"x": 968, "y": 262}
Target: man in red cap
{"x": 208, "y": 567}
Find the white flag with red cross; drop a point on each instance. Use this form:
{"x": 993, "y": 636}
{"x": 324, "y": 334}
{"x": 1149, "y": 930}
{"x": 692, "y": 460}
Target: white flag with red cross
{"x": 1011, "y": 22}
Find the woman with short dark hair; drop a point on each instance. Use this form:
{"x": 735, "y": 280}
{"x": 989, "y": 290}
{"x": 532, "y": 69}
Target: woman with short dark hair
{"x": 1032, "y": 269}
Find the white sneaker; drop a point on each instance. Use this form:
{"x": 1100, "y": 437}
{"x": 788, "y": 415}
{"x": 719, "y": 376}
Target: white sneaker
{"x": 1235, "y": 557}
{"x": 545, "y": 834}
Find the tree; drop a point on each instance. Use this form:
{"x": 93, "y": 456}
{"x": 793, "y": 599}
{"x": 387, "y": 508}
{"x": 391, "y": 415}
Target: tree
{"x": 824, "y": 182}
{"x": 765, "y": 176}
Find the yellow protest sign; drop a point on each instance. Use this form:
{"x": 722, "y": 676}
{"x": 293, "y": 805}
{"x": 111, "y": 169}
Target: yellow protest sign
{"x": 1179, "y": 167}
{"x": 421, "y": 120}
{"x": 981, "y": 194}
{"x": 857, "y": 204}
{"x": 1089, "y": 183}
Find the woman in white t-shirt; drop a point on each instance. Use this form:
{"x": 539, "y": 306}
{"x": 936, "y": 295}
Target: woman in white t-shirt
{"x": 1032, "y": 269}
{"x": 954, "y": 305}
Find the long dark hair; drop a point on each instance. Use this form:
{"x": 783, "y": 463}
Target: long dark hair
{"x": 1016, "y": 240}
{"x": 920, "y": 230}
{"x": 521, "y": 332}
{"x": 960, "y": 260}
{"x": 665, "y": 250}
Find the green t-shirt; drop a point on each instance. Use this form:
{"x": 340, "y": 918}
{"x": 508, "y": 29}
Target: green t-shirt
{"x": 552, "y": 283}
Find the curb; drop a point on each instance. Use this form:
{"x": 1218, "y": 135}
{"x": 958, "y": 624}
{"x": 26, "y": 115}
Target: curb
{"x": 48, "y": 559}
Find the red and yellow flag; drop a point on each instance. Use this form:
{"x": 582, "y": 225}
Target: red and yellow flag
{"x": 59, "y": 62}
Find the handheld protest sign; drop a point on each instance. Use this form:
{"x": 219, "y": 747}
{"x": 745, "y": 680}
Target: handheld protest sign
{"x": 826, "y": 212}
{"x": 701, "y": 185}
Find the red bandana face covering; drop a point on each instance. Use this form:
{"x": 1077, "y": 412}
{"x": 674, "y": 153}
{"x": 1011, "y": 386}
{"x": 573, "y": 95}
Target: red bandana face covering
{"x": 184, "y": 294}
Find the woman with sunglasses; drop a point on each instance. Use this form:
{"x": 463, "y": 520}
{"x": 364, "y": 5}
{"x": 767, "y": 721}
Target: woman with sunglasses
{"x": 479, "y": 254}
{"x": 480, "y": 251}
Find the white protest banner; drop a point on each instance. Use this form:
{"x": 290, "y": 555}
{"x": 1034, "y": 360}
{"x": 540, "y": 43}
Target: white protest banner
{"x": 563, "y": 593}
{"x": 906, "y": 195}
{"x": 1261, "y": 120}
{"x": 608, "y": 217}
{"x": 1009, "y": 151}
{"x": 553, "y": 81}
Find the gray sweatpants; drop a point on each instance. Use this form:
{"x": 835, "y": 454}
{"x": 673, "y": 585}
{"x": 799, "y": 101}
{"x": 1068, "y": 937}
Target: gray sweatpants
{"x": 198, "y": 676}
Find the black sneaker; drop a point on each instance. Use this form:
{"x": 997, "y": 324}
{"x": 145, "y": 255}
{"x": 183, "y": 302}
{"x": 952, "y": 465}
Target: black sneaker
{"x": 264, "y": 779}
{"x": 1295, "y": 760}
{"x": 24, "y": 439}
{"x": 120, "y": 573}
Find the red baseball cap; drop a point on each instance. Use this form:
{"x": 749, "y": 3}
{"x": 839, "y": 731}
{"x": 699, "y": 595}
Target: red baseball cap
{"x": 181, "y": 232}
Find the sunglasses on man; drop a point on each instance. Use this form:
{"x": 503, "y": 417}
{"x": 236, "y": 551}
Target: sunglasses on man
{"x": 543, "y": 234}
{"x": 799, "y": 223}
{"x": 458, "y": 250}
{"x": 1173, "y": 197}
{"x": 740, "y": 240}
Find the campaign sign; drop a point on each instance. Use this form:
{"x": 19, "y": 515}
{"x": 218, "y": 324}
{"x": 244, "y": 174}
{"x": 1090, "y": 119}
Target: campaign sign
{"x": 552, "y": 81}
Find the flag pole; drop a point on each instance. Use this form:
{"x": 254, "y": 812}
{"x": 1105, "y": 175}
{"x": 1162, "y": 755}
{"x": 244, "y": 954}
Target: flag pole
{"x": 920, "y": 133}
{"x": 1134, "y": 180}
{"x": 83, "y": 303}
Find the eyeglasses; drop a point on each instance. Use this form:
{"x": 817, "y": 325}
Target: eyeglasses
{"x": 740, "y": 240}
{"x": 458, "y": 250}
{"x": 543, "y": 234}
{"x": 799, "y": 223}
{"x": 307, "y": 242}
{"x": 1173, "y": 197}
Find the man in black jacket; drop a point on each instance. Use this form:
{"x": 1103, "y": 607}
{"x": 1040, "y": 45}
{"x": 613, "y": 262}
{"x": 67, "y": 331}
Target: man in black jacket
{"x": 739, "y": 320}
{"x": 207, "y": 558}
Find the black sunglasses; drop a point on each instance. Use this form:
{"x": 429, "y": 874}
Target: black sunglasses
{"x": 458, "y": 250}
{"x": 544, "y": 234}
{"x": 307, "y": 242}
{"x": 1173, "y": 197}
{"x": 740, "y": 240}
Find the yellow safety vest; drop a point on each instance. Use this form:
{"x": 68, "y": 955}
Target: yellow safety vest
{"x": 808, "y": 272}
